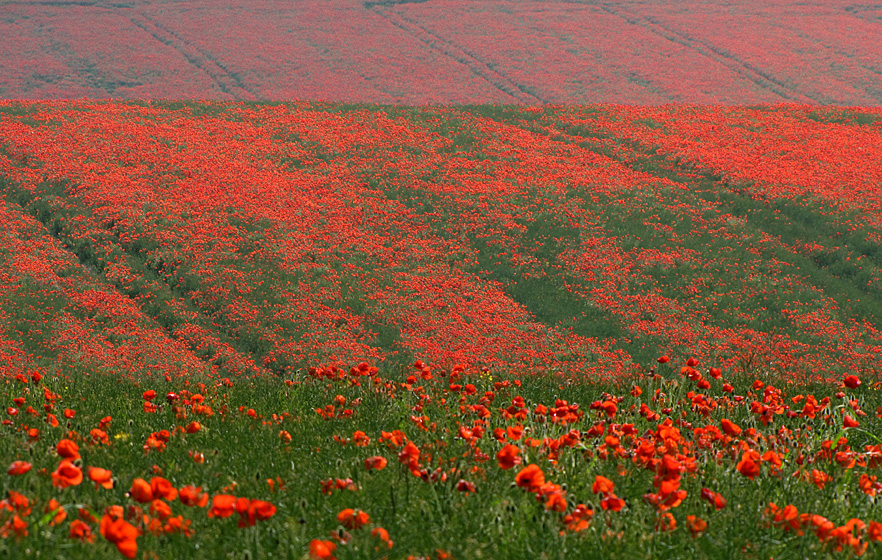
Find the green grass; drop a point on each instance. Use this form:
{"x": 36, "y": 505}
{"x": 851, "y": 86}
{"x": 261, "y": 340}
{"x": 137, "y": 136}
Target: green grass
{"x": 499, "y": 520}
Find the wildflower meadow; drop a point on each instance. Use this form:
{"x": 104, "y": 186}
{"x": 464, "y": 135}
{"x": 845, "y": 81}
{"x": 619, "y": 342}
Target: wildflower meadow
{"x": 322, "y": 330}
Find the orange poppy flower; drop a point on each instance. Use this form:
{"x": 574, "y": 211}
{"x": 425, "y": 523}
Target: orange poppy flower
{"x": 141, "y": 491}
{"x": 121, "y": 533}
{"x": 375, "y": 463}
{"x": 222, "y": 505}
{"x": 554, "y": 500}
{"x": 16, "y": 502}
{"x": 68, "y": 449}
{"x": 79, "y": 531}
{"x": 160, "y": 509}
{"x": 263, "y": 510}
{"x": 410, "y": 457}
{"x": 101, "y": 477}
{"x": 665, "y": 523}
{"x": 748, "y": 464}
{"x": 193, "y": 496}
{"x": 67, "y": 474}
{"x": 383, "y": 535}
{"x": 322, "y": 550}
{"x": 875, "y": 531}
{"x": 162, "y": 488}
{"x": 612, "y": 502}
{"x": 579, "y": 520}
{"x": 602, "y": 485}
{"x": 530, "y": 477}
{"x": 820, "y": 478}
{"x": 353, "y": 519}
{"x": 515, "y": 432}
{"x": 53, "y": 506}
{"x": 851, "y": 381}
{"x": 508, "y": 457}
{"x": 715, "y": 499}
{"x": 15, "y": 526}
{"x": 696, "y": 525}
{"x": 730, "y": 428}
{"x": 18, "y": 468}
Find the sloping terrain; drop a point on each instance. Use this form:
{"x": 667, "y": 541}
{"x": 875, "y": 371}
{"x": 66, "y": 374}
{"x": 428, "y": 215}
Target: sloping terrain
{"x": 444, "y": 51}
{"x": 251, "y": 238}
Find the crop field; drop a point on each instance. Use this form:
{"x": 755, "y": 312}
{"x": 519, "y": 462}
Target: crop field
{"x": 323, "y": 330}
{"x": 444, "y": 51}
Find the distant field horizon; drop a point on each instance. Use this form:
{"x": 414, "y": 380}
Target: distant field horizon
{"x": 444, "y": 51}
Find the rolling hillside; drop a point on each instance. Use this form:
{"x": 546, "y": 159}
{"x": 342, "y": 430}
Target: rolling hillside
{"x": 253, "y": 238}
{"x": 444, "y": 51}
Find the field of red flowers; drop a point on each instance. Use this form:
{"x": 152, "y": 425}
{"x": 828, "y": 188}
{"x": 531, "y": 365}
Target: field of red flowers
{"x": 444, "y": 51}
{"x": 243, "y": 239}
{"x": 362, "y": 331}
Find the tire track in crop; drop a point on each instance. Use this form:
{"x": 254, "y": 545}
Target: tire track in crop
{"x": 448, "y": 48}
{"x": 857, "y": 10}
{"x": 785, "y": 220}
{"x": 33, "y": 202}
{"x": 752, "y": 73}
{"x": 226, "y": 81}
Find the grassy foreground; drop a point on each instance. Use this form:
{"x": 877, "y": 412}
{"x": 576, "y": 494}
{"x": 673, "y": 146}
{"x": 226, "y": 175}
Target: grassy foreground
{"x": 684, "y": 462}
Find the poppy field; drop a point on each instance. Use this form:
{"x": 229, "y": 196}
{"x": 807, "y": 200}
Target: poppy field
{"x": 444, "y": 51}
{"x": 318, "y": 330}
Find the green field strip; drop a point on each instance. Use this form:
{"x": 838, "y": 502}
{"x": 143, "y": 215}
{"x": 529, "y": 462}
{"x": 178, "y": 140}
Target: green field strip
{"x": 794, "y": 223}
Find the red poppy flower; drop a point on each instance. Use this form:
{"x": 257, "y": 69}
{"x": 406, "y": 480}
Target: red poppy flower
{"x": 715, "y": 499}
{"x": 383, "y": 535}
{"x": 730, "y": 428}
{"x": 375, "y": 463}
{"x": 160, "y": 509}
{"x": 875, "y": 531}
{"x": 696, "y": 525}
{"x": 322, "y": 550}
{"x": 101, "y": 477}
{"x": 15, "y": 526}
{"x": 222, "y": 505}
{"x": 121, "y": 533}
{"x": 851, "y": 381}
{"x": 263, "y": 510}
{"x": 602, "y": 485}
{"x": 141, "y": 491}
{"x": 162, "y": 488}
{"x": 748, "y": 464}
{"x": 67, "y": 474}
{"x": 612, "y": 503}
{"x": 353, "y": 519}
{"x": 18, "y": 468}
{"x": 55, "y": 507}
{"x": 79, "y": 531}
{"x": 508, "y": 457}
{"x": 68, "y": 449}
{"x": 193, "y": 496}
{"x": 530, "y": 477}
